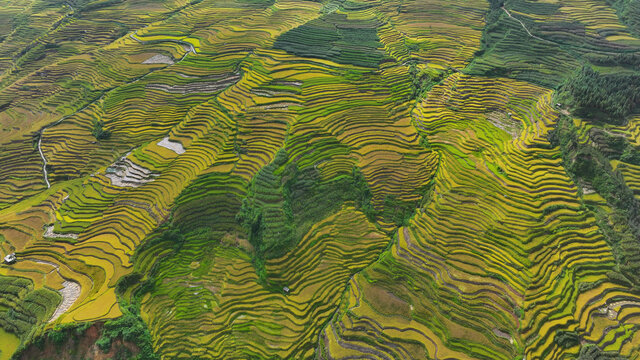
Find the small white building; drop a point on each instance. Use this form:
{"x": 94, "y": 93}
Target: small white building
{"x": 10, "y": 259}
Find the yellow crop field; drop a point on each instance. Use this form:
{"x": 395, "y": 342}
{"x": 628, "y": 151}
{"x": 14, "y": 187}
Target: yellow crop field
{"x": 320, "y": 179}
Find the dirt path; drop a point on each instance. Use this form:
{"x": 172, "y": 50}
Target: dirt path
{"x": 44, "y": 160}
{"x": 523, "y": 25}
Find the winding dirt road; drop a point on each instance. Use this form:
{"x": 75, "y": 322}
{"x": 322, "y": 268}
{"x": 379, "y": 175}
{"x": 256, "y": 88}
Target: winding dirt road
{"x": 523, "y": 25}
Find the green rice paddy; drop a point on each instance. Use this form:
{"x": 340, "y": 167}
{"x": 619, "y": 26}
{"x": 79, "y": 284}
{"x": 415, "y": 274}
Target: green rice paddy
{"x": 299, "y": 179}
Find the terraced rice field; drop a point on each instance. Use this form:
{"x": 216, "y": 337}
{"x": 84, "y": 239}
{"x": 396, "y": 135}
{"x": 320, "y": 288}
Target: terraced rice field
{"x": 297, "y": 179}
{"x": 483, "y": 257}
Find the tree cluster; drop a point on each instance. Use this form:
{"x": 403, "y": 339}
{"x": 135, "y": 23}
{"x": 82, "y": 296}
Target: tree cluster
{"x": 99, "y": 132}
{"x": 605, "y": 97}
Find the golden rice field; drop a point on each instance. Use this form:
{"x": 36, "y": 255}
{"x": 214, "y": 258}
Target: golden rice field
{"x": 330, "y": 179}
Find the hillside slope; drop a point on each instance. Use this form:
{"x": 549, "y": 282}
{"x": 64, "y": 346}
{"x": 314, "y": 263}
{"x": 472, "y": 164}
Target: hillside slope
{"x": 330, "y": 179}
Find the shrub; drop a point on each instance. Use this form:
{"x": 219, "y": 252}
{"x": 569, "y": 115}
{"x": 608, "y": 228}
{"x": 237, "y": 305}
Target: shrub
{"x": 99, "y": 132}
{"x": 127, "y": 281}
{"x": 567, "y": 339}
{"x": 129, "y": 327}
{"x": 57, "y": 336}
{"x": 630, "y": 155}
{"x": 592, "y": 352}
